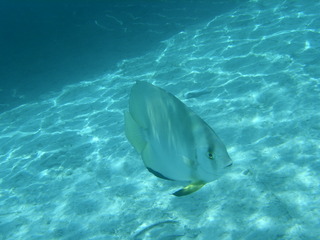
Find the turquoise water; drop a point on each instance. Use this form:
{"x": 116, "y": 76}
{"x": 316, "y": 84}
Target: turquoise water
{"x": 46, "y": 45}
{"x": 68, "y": 172}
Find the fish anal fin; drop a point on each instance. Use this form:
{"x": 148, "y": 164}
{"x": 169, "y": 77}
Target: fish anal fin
{"x": 134, "y": 133}
{"x": 191, "y": 188}
{"x": 157, "y": 174}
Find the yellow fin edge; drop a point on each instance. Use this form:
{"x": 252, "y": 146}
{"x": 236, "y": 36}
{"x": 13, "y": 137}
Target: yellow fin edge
{"x": 191, "y": 188}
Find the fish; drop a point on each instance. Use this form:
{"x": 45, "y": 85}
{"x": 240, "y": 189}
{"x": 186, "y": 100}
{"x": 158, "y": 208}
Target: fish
{"x": 173, "y": 141}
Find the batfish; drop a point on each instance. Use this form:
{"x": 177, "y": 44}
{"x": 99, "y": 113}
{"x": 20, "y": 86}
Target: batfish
{"x": 174, "y": 142}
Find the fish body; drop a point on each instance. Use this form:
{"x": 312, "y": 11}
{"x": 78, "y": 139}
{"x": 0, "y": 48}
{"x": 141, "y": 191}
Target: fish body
{"x": 174, "y": 142}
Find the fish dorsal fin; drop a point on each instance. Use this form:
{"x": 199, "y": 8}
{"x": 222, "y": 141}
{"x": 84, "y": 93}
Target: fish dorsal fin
{"x": 191, "y": 188}
{"x": 134, "y": 133}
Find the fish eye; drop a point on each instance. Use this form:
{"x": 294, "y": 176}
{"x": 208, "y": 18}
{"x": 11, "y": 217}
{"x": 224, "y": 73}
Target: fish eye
{"x": 210, "y": 155}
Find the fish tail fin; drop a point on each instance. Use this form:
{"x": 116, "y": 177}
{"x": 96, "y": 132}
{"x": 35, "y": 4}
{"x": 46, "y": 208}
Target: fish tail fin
{"x": 191, "y": 188}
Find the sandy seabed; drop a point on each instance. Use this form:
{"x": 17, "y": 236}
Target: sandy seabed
{"x": 68, "y": 172}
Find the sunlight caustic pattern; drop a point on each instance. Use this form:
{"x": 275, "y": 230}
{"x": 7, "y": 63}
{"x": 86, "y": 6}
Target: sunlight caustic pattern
{"x": 67, "y": 171}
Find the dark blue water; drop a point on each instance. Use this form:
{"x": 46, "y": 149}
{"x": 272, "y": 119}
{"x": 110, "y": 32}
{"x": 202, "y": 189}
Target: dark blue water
{"x": 45, "y": 45}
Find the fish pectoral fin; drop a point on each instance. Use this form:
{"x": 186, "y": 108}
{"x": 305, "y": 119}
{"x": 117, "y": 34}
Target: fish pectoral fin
{"x": 134, "y": 133}
{"x": 191, "y": 188}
